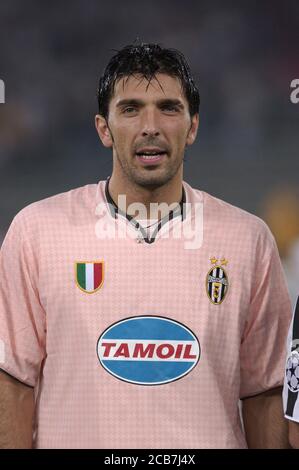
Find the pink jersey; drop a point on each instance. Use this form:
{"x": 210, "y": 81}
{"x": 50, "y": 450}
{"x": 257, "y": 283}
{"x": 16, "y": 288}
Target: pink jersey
{"x": 131, "y": 344}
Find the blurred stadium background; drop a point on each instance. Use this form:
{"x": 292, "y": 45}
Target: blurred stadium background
{"x": 243, "y": 55}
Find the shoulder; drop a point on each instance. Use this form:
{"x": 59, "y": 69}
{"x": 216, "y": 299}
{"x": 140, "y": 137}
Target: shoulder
{"x": 235, "y": 218}
{"x": 231, "y": 221}
{"x": 70, "y": 205}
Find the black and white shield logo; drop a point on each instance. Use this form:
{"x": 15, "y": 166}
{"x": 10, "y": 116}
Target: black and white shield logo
{"x": 217, "y": 285}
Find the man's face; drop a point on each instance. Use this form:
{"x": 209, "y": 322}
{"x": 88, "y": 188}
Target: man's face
{"x": 148, "y": 127}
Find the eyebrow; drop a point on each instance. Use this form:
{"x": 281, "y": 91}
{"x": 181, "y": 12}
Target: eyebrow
{"x": 162, "y": 102}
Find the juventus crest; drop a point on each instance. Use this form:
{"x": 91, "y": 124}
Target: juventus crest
{"x": 217, "y": 281}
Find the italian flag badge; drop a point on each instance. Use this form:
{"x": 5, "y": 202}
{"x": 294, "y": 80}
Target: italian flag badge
{"x": 89, "y": 275}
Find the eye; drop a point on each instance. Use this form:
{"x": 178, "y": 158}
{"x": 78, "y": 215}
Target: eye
{"x": 169, "y": 108}
{"x": 129, "y": 110}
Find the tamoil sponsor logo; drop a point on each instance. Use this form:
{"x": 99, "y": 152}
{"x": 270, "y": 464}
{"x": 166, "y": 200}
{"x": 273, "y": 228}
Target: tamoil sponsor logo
{"x": 148, "y": 350}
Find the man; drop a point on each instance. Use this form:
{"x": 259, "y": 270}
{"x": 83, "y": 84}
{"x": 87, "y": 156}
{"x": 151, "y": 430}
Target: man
{"x": 135, "y": 313}
{"x": 291, "y": 380}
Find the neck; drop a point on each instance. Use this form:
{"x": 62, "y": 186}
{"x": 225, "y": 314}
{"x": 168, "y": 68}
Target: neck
{"x": 167, "y": 194}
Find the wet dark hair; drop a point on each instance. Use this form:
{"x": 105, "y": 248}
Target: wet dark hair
{"x": 147, "y": 60}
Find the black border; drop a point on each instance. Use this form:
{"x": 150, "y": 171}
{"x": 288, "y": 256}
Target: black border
{"x": 203, "y": 458}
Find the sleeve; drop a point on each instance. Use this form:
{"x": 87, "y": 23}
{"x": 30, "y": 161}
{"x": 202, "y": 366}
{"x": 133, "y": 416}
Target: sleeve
{"x": 291, "y": 376}
{"x": 22, "y": 318}
{"x": 262, "y": 354}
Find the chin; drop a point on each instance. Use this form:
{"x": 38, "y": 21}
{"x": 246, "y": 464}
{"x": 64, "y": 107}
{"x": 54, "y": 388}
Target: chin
{"x": 151, "y": 181}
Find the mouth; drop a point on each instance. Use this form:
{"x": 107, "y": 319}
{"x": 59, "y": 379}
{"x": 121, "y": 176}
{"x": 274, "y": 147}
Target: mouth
{"x": 151, "y": 156}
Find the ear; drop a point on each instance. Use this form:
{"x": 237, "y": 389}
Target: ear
{"x": 103, "y": 130}
{"x": 193, "y": 129}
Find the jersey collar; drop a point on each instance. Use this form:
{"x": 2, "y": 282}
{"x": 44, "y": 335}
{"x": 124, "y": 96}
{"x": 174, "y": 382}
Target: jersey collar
{"x": 115, "y": 211}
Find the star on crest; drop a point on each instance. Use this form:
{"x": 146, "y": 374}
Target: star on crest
{"x": 223, "y": 262}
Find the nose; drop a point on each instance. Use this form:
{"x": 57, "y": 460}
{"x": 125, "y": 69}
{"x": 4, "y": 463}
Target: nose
{"x": 149, "y": 123}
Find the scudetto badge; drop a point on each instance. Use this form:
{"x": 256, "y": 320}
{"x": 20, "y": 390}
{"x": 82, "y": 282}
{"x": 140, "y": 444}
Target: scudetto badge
{"x": 89, "y": 275}
{"x": 217, "y": 281}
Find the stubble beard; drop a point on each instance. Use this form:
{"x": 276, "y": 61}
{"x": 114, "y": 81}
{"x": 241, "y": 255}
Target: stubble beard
{"x": 149, "y": 178}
